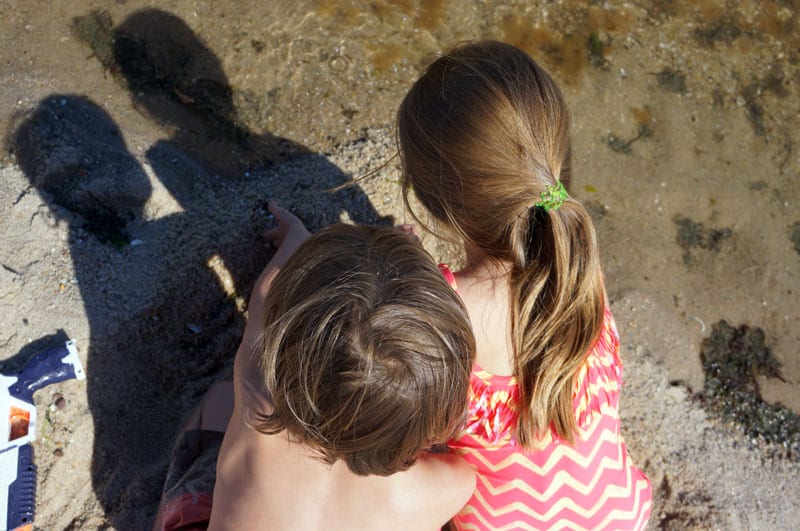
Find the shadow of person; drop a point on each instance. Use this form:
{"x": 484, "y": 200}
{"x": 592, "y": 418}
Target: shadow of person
{"x": 179, "y": 83}
{"x": 163, "y": 275}
{"x": 137, "y": 359}
{"x": 74, "y": 155}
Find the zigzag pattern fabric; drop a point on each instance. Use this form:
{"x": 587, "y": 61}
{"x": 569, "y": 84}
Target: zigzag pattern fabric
{"x": 591, "y": 484}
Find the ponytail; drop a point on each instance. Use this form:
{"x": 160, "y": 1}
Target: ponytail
{"x": 557, "y": 304}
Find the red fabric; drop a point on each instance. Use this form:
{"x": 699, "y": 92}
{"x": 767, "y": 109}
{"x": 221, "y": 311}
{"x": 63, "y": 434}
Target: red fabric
{"x": 448, "y": 276}
{"x": 187, "y": 512}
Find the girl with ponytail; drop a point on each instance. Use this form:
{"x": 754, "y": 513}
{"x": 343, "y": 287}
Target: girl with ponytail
{"x": 484, "y": 143}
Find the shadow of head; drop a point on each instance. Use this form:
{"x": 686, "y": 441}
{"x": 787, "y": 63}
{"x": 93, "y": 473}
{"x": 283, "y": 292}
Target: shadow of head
{"x": 159, "y": 54}
{"x": 74, "y": 155}
{"x": 179, "y": 82}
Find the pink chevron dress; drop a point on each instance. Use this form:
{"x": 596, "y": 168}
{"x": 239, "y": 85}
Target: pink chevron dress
{"x": 591, "y": 484}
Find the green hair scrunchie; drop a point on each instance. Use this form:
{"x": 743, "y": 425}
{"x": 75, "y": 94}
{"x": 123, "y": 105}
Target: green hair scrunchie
{"x": 553, "y": 196}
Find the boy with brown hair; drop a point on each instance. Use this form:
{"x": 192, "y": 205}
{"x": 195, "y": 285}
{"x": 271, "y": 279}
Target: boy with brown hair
{"x": 355, "y": 360}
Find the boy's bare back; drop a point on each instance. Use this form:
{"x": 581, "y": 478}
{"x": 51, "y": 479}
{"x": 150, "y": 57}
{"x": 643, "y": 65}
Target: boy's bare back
{"x": 267, "y": 482}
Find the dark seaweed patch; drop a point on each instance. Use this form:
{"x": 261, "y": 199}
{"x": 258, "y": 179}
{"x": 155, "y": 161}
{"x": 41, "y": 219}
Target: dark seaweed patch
{"x": 671, "y": 80}
{"x": 624, "y": 145}
{"x": 732, "y": 359}
{"x": 684, "y": 519}
{"x": 257, "y": 45}
{"x": 597, "y": 50}
{"x": 795, "y": 236}
{"x": 718, "y": 97}
{"x": 753, "y": 96}
{"x": 692, "y": 234}
{"x": 774, "y": 82}
{"x": 597, "y": 211}
{"x": 755, "y": 111}
{"x": 724, "y": 30}
{"x": 661, "y": 10}
{"x": 95, "y": 30}
{"x": 686, "y": 509}
{"x": 618, "y": 144}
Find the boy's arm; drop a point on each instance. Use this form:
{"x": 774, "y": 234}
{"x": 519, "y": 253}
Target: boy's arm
{"x": 286, "y": 238}
{"x": 289, "y": 234}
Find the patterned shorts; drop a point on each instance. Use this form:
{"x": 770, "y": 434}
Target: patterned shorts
{"x": 189, "y": 487}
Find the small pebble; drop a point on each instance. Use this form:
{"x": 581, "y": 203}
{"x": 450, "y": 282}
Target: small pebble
{"x": 59, "y": 401}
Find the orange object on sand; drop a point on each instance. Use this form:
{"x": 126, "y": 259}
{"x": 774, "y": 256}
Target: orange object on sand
{"x": 19, "y": 420}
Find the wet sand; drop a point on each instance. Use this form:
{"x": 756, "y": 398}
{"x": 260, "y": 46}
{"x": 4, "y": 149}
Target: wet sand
{"x": 182, "y": 120}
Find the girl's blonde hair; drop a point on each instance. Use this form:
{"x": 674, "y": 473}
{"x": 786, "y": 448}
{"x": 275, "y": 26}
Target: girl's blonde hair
{"x": 482, "y": 133}
{"x": 366, "y": 350}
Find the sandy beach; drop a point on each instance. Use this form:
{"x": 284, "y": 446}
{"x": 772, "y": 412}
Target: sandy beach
{"x": 140, "y": 145}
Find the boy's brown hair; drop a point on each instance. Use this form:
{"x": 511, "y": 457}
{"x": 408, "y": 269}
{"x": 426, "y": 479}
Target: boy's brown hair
{"x": 482, "y": 134}
{"x": 366, "y": 350}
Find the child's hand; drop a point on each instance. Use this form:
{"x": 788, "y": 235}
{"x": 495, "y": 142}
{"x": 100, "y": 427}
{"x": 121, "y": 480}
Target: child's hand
{"x": 290, "y": 232}
{"x": 286, "y": 238}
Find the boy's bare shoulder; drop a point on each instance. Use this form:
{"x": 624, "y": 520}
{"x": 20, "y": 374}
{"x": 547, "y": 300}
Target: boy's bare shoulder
{"x": 438, "y": 485}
